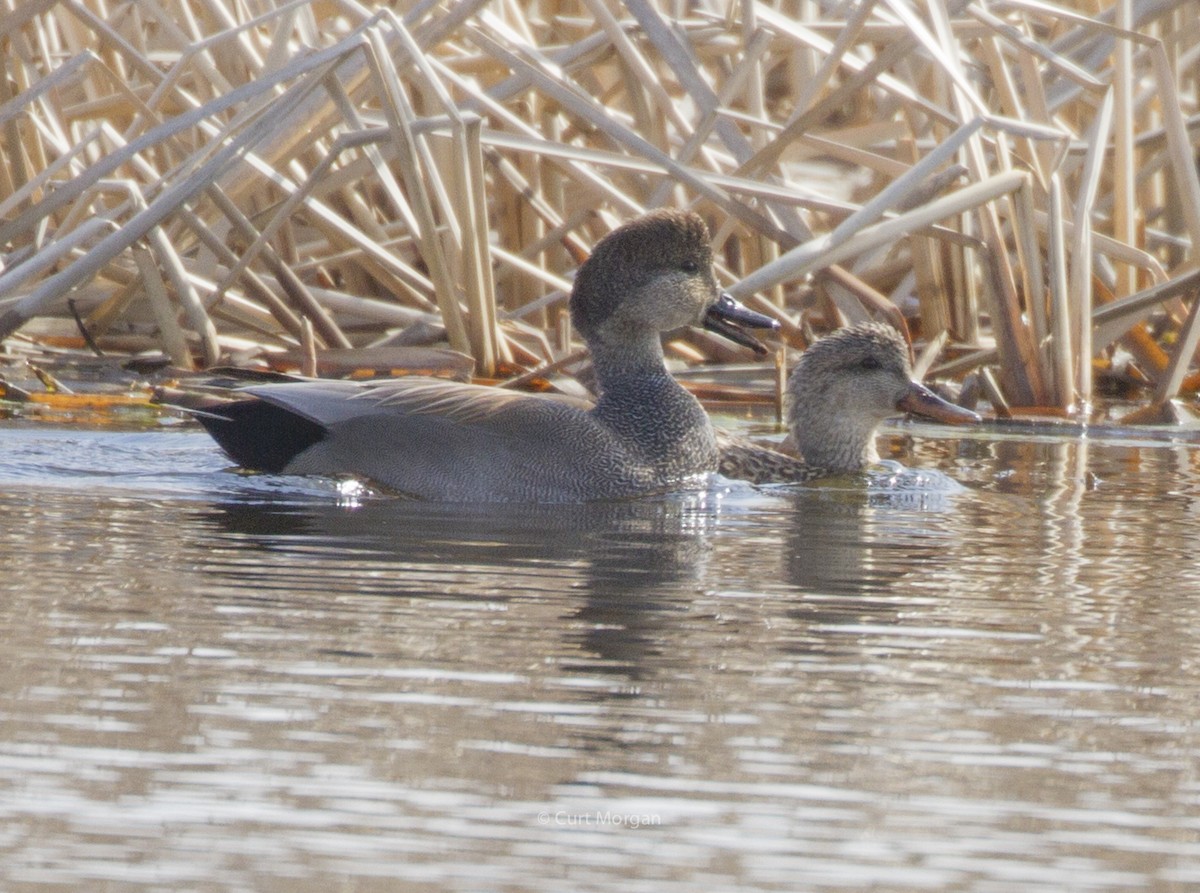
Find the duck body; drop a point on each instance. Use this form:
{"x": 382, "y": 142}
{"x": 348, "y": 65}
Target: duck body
{"x": 455, "y": 442}
{"x": 842, "y": 388}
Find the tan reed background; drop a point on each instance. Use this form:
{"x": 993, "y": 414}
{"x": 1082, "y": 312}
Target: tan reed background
{"x": 1014, "y": 181}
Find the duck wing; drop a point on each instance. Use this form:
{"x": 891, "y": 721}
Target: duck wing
{"x": 329, "y": 403}
{"x": 432, "y": 439}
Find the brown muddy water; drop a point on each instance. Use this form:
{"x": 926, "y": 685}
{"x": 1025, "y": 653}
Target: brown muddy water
{"x": 217, "y": 682}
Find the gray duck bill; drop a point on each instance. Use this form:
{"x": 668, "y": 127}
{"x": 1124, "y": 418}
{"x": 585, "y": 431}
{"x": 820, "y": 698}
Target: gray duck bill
{"x": 919, "y": 400}
{"x": 727, "y": 317}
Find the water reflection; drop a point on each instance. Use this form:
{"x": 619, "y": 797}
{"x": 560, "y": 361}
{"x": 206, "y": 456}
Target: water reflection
{"x": 610, "y": 561}
{"x": 221, "y": 682}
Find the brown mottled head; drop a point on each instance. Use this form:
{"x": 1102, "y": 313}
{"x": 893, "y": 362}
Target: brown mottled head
{"x": 848, "y": 382}
{"x": 653, "y": 273}
{"x": 856, "y": 350}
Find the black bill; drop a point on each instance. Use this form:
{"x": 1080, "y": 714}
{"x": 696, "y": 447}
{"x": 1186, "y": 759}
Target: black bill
{"x": 727, "y": 317}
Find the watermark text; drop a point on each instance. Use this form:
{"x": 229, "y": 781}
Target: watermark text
{"x": 603, "y": 819}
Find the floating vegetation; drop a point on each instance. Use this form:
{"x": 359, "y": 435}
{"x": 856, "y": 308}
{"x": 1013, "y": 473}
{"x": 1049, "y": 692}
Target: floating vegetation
{"x": 287, "y": 184}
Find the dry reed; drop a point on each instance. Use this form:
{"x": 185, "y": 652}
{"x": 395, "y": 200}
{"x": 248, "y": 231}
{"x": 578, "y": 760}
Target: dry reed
{"x": 231, "y": 179}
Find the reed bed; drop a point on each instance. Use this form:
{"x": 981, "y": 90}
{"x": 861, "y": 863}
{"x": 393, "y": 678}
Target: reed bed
{"x": 335, "y": 184}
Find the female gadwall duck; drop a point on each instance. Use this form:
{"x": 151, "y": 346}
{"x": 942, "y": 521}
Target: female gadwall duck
{"x": 454, "y": 442}
{"x": 842, "y": 388}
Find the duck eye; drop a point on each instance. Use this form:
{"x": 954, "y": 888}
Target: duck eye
{"x": 870, "y": 364}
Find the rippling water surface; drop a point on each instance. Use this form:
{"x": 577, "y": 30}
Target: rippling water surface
{"x": 222, "y": 682}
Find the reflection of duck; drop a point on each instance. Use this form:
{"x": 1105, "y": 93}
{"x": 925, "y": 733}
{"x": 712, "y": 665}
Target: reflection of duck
{"x": 602, "y": 583}
{"x": 843, "y": 386}
{"x": 454, "y": 442}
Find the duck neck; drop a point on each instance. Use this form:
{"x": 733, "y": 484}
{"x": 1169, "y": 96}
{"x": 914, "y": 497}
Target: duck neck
{"x": 646, "y": 407}
{"x": 834, "y": 442}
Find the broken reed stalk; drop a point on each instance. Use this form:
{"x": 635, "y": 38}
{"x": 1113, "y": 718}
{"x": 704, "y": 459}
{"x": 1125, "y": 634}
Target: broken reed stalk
{"x": 327, "y": 175}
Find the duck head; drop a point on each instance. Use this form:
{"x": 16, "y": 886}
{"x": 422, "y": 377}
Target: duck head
{"x": 652, "y": 275}
{"x": 845, "y": 385}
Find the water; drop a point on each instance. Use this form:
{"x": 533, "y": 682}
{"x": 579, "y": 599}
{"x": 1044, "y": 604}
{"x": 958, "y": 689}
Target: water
{"x": 222, "y": 682}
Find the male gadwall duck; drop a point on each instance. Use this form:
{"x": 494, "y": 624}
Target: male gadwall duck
{"x": 454, "y": 442}
{"x": 842, "y": 388}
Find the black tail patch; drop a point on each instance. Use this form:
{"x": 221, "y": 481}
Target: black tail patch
{"x": 260, "y": 435}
